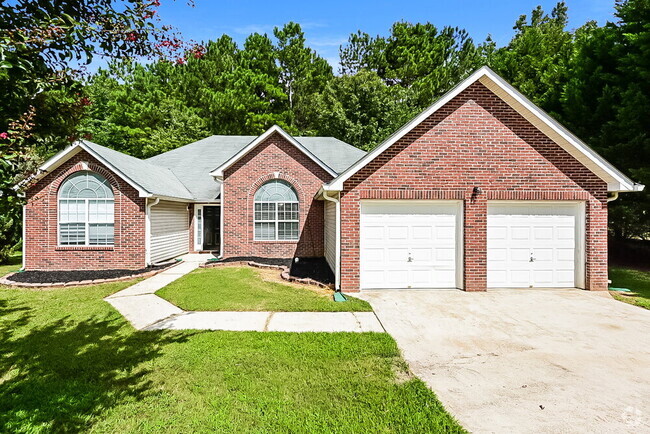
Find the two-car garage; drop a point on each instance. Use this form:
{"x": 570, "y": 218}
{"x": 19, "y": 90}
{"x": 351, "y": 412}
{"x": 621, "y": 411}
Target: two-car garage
{"x": 419, "y": 244}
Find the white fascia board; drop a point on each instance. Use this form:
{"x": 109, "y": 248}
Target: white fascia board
{"x": 142, "y": 192}
{"x": 625, "y": 183}
{"x": 617, "y": 181}
{"x": 69, "y": 152}
{"x": 218, "y": 172}
{"x": 51, "y": 164}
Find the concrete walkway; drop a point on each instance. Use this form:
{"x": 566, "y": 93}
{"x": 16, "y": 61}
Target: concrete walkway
{"x": 146, "y": 311}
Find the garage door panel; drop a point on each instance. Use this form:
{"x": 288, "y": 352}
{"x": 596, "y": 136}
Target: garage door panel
{"x": 422, "y": 233}
{"x": 539, "y": 240}
{"x": 566, "y": 233}
{"x": 519, "y": 254}
{"x": 497, "y": 254}
{"x": 422, "y": 254}
{"x": 519, "y": 233}
{"x": 566, "y": 276}
{"x": 396, "y": 255}
{"x": 520, "y": 278}
{"x": 395, "y": 278}
{"x": 374, "y": 256}
{"x": 397, "y": 232}
{"x": 421, "y": 278}
{"x": 565, "y": 254}
{"x": 374, "y": 233}
{"x": 418, "y": 239}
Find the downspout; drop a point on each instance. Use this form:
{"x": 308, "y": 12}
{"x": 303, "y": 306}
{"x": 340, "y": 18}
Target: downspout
{"x": 221, "y": 234}
{"x": 337, "y": 272}
{"x": 613, "y": 197}
{"x": 147, "y": 229}
{"x": 24, "y": 241}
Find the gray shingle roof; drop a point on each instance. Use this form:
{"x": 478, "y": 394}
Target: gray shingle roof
{"x": 155, "y": 179}
{"x": 193, "y": 163}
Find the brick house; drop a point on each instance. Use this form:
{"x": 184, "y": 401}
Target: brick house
{"x": 481, "y": 190}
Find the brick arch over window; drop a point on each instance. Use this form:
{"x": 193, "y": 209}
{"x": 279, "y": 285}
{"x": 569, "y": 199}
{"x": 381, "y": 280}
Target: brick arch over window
{"x": 271, "y": 176}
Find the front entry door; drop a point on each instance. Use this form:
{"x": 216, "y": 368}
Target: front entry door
{"x": 211, "y": 227}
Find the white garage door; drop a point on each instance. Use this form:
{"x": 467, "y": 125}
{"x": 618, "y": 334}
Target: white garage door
{"x": 408, "y": 244}
{"x": 535, "y": 244}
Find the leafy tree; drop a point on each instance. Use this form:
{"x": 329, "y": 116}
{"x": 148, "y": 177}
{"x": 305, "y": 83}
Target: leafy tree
{"x": 418, "y": 57}
{"x": 536, "y": 59}
{"x": 39, "y": 39}
{"x": 360, "y": 109}
{"x": 302, "y": 72}
{"x": 137, "y": 113}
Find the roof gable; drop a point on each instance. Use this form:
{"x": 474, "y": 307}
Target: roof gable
{"x": 616, "y": 181}
{"x": 148, "y": 179}
{"x": 219, "y": 171}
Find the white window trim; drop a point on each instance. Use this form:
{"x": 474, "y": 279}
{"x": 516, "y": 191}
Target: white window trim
{"x": 87, "y": 222}
{"x": 276, "y": 221}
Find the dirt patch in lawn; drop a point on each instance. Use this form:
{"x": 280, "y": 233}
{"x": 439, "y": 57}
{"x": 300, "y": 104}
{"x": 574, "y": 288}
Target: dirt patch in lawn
{"x": 270, "y": 275}
{"x": 303, "y": 268}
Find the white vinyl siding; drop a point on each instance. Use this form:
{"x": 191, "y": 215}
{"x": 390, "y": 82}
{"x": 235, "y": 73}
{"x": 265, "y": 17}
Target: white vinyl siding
{"x": 330, "y": 234}
{"x": 169, "y": 230}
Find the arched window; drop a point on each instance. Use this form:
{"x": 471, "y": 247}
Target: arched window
{"x": 86, "y": 210}
{"x": 276, "y": 212}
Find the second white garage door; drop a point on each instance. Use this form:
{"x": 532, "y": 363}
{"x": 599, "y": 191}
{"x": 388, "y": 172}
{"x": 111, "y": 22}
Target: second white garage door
{"x": 535, "y": 244}
{"x": 409, "y": 244}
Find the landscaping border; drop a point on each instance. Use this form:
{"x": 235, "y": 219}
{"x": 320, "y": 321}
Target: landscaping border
{"x": 284, "y": 272}
{"x": 4, "y": 280}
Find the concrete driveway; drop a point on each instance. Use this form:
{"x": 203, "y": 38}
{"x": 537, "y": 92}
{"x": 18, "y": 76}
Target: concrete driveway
{"x": 526, "y": 360}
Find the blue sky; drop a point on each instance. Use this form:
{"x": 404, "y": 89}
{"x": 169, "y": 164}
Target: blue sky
{"x": 327, "y": 24}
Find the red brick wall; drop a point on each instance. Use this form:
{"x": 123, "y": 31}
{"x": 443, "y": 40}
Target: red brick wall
{"x": 41, "y": 232}
{"x": 242, "y": 180}
{"x": 476, "y": 140}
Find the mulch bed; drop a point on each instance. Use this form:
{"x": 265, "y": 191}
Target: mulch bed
{"x": 78, "y": 275}
{"x": 312, "y": 268}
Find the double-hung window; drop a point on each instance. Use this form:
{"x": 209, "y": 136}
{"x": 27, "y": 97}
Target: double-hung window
{"x": 276, "y": 212}
{"x": 86, "y": 211}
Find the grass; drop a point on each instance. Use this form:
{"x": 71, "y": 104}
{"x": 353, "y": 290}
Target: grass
{"x": 636, "y": 280}
{"x": 251, "y": 289}
{"x": 15, "y": 262}
{"x": 70, "y": 363}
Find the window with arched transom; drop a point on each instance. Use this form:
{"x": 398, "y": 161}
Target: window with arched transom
{"x": 276, "y": 212}
{"x": 86, "y": 210}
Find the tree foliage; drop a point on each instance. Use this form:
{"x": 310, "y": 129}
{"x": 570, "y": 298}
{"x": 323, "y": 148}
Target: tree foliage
{"x": 43, "y": 100}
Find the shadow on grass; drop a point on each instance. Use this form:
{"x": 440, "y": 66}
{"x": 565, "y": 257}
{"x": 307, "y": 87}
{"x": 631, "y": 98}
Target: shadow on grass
{"x": 59, "y": 376}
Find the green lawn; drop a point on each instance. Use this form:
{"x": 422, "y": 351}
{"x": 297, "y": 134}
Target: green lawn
{"x": 70, "y": 363}
{"x": 637, "y": 281}
{"x": 244, "y": 289}
{"x": 15, "y": 262}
